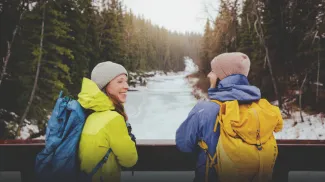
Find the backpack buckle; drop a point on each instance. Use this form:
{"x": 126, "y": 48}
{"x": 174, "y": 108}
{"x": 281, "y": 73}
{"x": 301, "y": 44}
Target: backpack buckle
{"x": 259, "y": 147}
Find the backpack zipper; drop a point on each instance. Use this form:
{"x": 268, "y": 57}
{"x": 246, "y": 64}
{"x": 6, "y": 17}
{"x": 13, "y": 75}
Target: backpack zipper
{"x": 258, "y": 137}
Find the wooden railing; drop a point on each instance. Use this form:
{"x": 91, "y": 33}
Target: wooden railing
{"x": 162, "y": 155}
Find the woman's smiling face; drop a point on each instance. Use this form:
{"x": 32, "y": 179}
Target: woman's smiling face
{"x": 118, "y": 87}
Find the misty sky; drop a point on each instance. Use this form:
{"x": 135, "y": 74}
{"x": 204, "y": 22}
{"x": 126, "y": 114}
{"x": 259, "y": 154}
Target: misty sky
{"x": 176, "y": 15}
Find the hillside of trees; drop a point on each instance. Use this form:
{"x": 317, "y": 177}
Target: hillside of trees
{"x": 285, "y": 42}
{"x": 50, "y": 45}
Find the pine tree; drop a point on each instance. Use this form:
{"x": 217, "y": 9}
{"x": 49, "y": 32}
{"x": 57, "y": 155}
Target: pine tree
{"x": 249, "y": 44}
{"x": 54, "y": 72}
{"x": 84, "y": 46}
{"x": 206, "y": 49}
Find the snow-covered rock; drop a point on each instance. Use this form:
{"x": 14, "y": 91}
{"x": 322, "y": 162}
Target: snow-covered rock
{"x": 139, "y": 78}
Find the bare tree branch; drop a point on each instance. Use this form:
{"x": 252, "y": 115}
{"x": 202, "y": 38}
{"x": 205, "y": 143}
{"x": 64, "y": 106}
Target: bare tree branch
{"x": 210, "y": 18}
{"x": 22, "y": 9}
{"x": 22, "y": 119}
{"x": 5, "y": 62}
{"x": 318, "y": 72}
{"x": 256, "y": 30}
{"x": 248, "y": 23}
{"x": 315, "y": 37}
{"x": 259, "y": 31}
{"x": 300, "y": 96}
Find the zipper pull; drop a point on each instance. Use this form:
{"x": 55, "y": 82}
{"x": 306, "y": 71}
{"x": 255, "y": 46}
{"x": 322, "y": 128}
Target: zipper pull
{"x": 258, "y": 141}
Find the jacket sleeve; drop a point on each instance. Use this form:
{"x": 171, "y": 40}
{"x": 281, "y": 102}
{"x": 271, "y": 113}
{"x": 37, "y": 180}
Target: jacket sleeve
{"x": 279, "y": 126}
{"x": 188, "y": 132}
{"x": 120, "y": 141}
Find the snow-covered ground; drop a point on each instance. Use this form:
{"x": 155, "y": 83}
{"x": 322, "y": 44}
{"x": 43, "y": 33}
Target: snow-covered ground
{"x": 313, "y": 127}
{"x": 156, "y": 110}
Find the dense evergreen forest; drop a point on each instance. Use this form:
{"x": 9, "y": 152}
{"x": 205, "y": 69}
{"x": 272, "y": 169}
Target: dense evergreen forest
{"x": 49, "y": 45}
{"x": 285, "y": 42}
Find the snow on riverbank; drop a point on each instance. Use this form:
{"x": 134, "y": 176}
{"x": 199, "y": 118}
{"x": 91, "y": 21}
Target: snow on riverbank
{"x": 167, "y": 100}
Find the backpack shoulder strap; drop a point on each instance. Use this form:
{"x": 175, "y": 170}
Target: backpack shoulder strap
{"x": 217, "y": 102}
{"x": 101, "y": 163}
{"x": 210, "y": 160}
{"x": 216, "y": 124}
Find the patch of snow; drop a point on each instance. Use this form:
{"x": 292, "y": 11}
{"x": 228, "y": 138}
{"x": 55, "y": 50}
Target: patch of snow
{"x": 138, "y": 88}
{"x": 27, "y": 130}
{"x": 190, "y": 66}
{"x": 27, "y": 121}
{"x": 40, "y": 138}
{"x": 151, "y": 72}
{"x": 318, "y": 83}
{"x": 14, "y": 114}
{"x": 313, "y": 127}
{"x": 275, "y": 103}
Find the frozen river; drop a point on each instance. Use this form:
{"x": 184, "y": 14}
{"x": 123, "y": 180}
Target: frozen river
{"x": 156, "y": 111}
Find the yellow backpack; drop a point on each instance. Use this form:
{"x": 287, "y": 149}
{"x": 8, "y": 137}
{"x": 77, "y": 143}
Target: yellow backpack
{"x": 246, "y": 149}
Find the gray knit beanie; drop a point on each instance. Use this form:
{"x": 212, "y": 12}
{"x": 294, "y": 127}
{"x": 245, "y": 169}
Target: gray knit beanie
{"x": 104, "y": 72}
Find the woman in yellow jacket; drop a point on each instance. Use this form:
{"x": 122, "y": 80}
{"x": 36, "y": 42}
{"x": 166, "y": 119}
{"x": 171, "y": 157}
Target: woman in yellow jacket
{"x": 106, "y": 127}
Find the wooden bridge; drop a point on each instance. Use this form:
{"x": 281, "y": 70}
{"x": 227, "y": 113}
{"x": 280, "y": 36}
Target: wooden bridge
{"x": 162, "y": 155}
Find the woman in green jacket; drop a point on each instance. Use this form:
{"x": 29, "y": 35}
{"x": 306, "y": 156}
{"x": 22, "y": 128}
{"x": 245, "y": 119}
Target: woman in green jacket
{"x": 106, "y": 127}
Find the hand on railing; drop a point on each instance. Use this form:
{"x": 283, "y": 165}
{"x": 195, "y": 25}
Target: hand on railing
{"x": 128, "y": 125}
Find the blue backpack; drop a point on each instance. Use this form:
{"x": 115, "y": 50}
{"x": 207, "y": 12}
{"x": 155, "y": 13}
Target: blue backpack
{"x": 58, "y": 161}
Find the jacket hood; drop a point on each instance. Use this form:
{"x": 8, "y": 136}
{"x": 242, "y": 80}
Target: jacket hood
{"x": 91, "y": 97}
{"x": 235, "y": 87}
